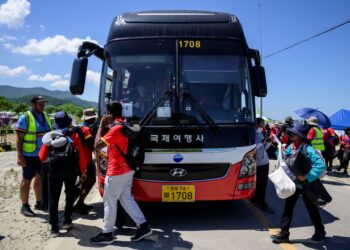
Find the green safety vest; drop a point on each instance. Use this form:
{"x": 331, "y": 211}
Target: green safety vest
{"x": 317, "y": 142}
{"x": 29, "y": 141}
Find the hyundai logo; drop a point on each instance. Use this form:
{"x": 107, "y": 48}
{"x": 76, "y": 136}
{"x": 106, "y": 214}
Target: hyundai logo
{"x": 178, "y": 172}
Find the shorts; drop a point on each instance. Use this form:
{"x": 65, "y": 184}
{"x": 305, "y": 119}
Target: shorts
{"x": 33, "y": 167}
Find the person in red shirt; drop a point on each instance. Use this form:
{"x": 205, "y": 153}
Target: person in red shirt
{"x": 119, "y": 177}
{"x": 67, "y": 174}
{"x": 345, "y": 145}
{"x": 329, "y": 137}
{"x": 89, "y": 118}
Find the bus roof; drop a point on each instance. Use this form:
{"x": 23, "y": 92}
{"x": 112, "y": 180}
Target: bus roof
{"x": 176, "y": 23}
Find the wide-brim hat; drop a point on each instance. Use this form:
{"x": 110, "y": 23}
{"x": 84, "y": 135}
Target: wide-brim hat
{"x": 89, "y": 114}
{"x": 300, "y": 130}
{"x": 62, "y": 120}
{"x": 312, "y": 121}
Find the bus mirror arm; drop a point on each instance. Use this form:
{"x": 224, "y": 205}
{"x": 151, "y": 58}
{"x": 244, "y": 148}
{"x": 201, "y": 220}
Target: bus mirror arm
{"x": 79, "y": 68}
{"x": 202, "y": 113}
{"x": 255, "y": 55}
{"x": 88, "y": 49}
{"x": 148, "y": 116}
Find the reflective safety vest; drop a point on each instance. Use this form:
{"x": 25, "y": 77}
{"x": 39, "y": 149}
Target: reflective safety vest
{"x": 317, "y": 142}
{"x": 29, "y": 141}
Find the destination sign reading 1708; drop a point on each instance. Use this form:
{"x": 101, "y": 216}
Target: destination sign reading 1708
{"x": 189, "y": 44}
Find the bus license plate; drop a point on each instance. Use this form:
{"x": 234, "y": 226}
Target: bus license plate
{"x": 178, "y": 193}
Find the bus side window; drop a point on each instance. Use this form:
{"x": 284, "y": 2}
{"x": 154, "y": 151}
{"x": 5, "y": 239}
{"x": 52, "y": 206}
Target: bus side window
{"x": 109, "y": 84}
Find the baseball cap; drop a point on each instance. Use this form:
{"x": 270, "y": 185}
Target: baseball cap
{"x": 62, "y": 120}
{"x": 37, "y": 99}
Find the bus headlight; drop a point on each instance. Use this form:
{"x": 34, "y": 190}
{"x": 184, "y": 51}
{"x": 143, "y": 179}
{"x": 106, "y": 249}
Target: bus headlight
{"x": 248, "y": 167}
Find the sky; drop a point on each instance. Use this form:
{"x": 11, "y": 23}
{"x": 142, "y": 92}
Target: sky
{"x": 39, "y": 41}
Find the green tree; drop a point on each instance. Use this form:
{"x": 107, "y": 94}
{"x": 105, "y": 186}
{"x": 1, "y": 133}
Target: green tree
{"x": 5, "y": 105}
{"x": 20, "y": 107}
{"x": 71, "y": 109}
{"x": 50, "y": 109}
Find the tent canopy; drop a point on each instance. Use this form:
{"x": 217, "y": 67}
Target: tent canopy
{"x": 341, "y": 119}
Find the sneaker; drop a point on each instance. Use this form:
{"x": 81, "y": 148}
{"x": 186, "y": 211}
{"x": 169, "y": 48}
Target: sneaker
{"x": 102, "y": 239}
{"x": 319, "y": 236}
{"x": 39, "y": 206}
{"x": 67, "y": 225}
{"x": 281, "y": 237}
{"x": 142, "y": 232}
{"x": 55, "y": 231}
{"x": 87, "y": 207}
{"x": 80, "y": 210}
{"x": 27, "y": 211}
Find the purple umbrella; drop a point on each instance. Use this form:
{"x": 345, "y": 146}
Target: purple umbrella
{"x": 322, "y": 119}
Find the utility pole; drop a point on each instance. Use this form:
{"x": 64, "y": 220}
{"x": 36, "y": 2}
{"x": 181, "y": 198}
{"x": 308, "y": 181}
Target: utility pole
{"x": 261, "y": 101}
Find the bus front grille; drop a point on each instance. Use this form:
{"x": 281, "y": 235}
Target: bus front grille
{"x": 182, "y": 172}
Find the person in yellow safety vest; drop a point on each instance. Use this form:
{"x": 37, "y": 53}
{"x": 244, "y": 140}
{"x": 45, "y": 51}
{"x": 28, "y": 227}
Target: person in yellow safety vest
{"x": 31, "y": 127}
{"x": 315, "y": 135}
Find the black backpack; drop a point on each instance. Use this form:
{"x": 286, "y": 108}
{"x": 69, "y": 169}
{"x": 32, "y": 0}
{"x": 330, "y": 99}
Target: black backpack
{"x": 135, "y": 155}
{"x": 63, "y": 161}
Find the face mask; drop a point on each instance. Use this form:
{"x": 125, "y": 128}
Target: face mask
{"x": 259, "y": 130}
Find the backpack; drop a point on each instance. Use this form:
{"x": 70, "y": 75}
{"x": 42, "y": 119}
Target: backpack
{"x": 63, "y": 159}
{"x": 336, "y": 141}
{"x": 80, "y": 133}
{"x": 135, "y": 155}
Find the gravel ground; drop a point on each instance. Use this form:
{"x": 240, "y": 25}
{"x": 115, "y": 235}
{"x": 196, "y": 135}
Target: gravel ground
{"x": 17, "y": 231}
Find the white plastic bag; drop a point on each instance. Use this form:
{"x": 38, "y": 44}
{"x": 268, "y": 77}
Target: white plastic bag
{"x": 284, "y": 185}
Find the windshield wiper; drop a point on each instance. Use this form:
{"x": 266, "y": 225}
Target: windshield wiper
{"x": 149, "y": 115}
{"x": 201, "y": 112}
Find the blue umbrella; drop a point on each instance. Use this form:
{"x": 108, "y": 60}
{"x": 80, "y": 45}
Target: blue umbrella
{"x": 306, "y": 113}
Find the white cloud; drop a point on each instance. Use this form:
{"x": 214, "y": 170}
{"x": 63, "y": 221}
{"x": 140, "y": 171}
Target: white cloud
{"x": 58, "y": 44}
{"x": 93, "y": 77}
{"x": 61, "y": 84}
{"x": 45, "y": 78}
{"x": 13, "y": 12}
{"x": 8, "y": 46}
{"x": 5, "y": 38}
{"x": 18, "y": 71}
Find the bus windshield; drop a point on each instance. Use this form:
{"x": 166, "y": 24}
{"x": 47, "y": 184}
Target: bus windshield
{"x": 208, "y": 80}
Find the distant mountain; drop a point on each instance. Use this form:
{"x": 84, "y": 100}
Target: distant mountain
{"x": 55, "y": 97}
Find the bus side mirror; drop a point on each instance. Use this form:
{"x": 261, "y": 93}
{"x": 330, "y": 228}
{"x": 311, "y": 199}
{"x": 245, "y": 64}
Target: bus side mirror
{"x": 77, "y": 78}
{"x": 260, "y": 86}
